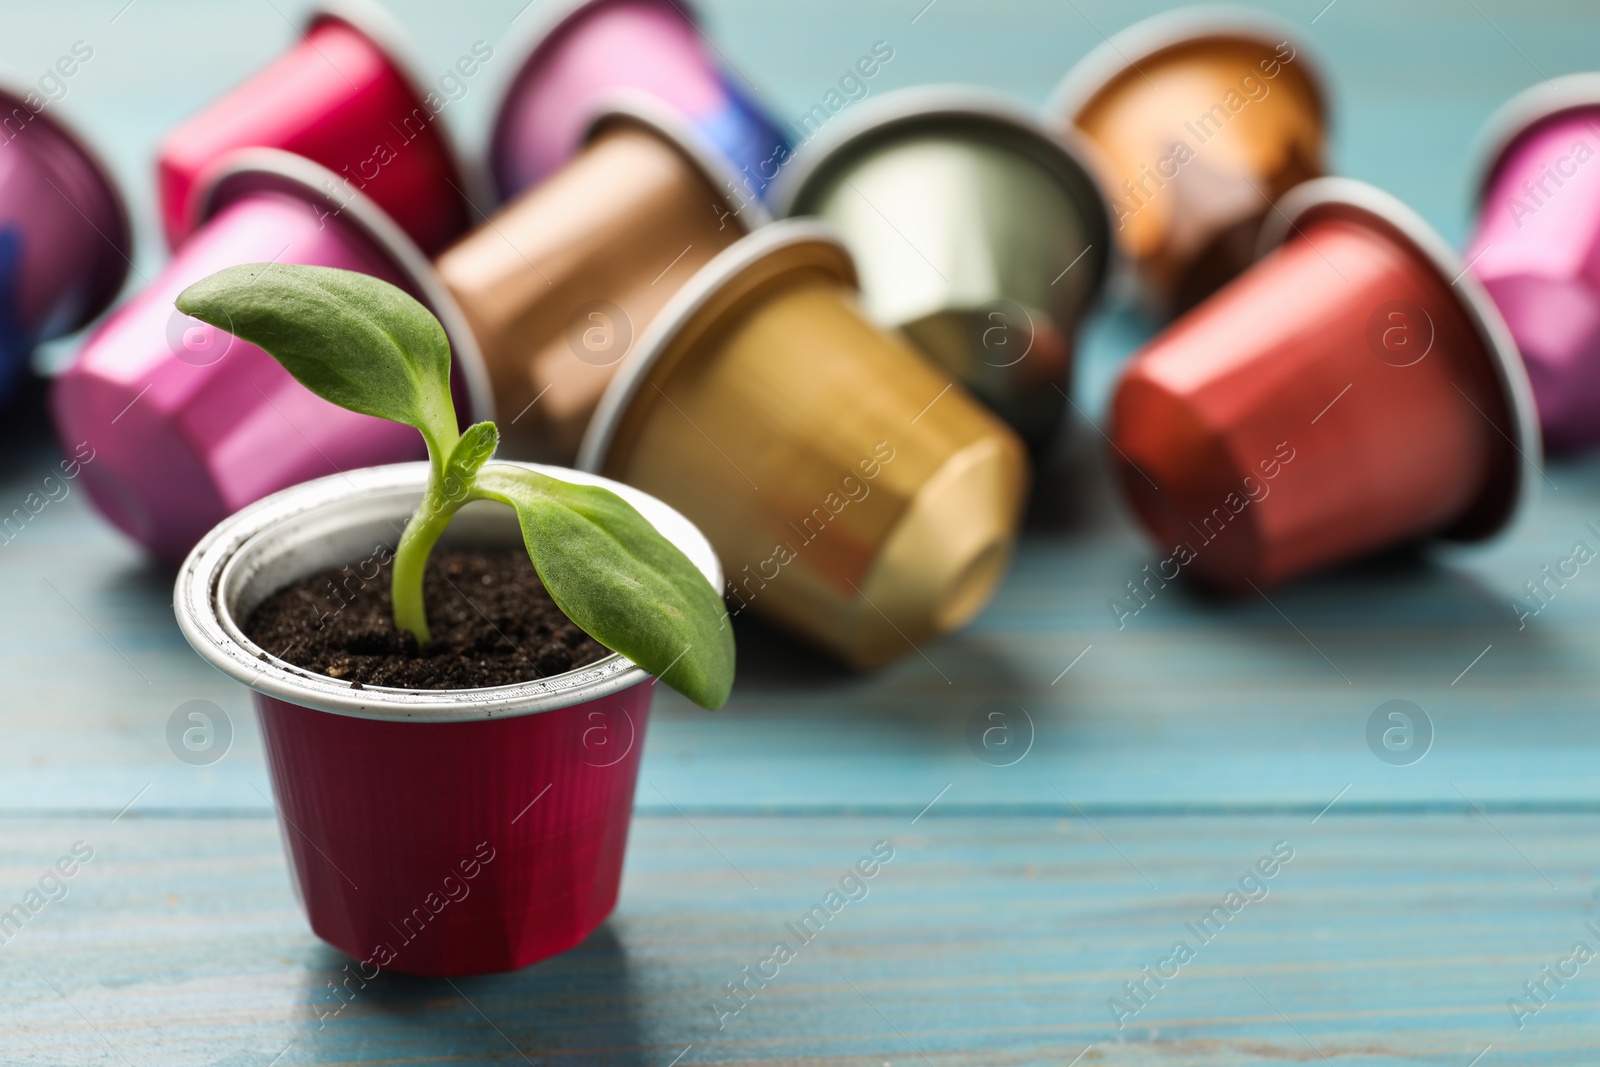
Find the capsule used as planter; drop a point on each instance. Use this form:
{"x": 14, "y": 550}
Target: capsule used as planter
{"x": 1536, "y": 247}
{"x": 187, "y": 423}
{"x": 585, "y": 52}
{"x": 1203, "y": 117}
{"x": 559, "y": 284}
{"x": 435, "y": 832}
{"x": 344, "y": 96}
{"x": 65, "y": 241}
{"x": 979, "y": 235}
{"x": 1340, "y": 397}
{"x": 853, "y": 492}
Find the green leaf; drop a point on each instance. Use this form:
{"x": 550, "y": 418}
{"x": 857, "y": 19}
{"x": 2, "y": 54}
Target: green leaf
{"x": 477, "y": 444}
{"x": 350, "y": 338}
{"x": 621, "y": 581}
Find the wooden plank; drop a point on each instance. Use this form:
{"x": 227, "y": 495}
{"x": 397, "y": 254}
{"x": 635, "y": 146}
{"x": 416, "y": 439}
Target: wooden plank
{"x": 1383, "y": 940}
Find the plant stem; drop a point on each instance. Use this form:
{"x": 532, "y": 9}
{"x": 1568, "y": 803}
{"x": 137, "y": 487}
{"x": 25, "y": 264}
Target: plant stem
{"x": 411, "y": 558}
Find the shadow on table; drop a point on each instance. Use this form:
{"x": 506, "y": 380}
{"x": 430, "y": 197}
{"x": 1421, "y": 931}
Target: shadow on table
{"x": 584, "y": 1004}
{"x": 28, "y": 446}
{"x": 1407, "y": 606}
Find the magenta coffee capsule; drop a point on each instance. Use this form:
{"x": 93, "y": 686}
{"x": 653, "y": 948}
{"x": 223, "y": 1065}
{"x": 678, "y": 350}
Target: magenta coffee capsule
{"x": 186, "y": 423}
{"x": 1536, "y": 247}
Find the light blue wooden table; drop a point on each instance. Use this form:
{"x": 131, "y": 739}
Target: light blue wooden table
{"x": 1167, "y": 760}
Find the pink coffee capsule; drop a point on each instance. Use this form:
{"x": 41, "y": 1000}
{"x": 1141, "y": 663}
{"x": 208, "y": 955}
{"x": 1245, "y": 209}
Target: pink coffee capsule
{"x": 342, "y": 96}
{"x": 183, "y": 423}
{"x": 1536, "y": 248}
{"x": 65, "y": 242}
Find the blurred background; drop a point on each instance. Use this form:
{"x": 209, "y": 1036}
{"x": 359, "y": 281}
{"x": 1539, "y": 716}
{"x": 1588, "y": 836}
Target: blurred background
{"x": 1163, "y": 758}
{"x": 1411, "y": 86}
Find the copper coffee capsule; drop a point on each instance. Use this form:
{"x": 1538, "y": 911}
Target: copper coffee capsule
{"x": 981, "y": 236}
{"x": 1204, "y": 117}
{"x": 1351, "y": 391}
{"x": 559, "y": 284}
{"x": 853, "y": 492}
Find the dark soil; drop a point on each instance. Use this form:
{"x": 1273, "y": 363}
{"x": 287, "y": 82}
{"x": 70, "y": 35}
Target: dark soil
{"x": 491, "y": 619}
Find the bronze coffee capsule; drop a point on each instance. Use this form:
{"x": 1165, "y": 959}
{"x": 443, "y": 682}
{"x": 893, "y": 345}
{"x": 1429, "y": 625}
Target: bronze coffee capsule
{"x": 1352, "y": 391}
{"x": 853, "y": 492}
{"x": 1204, "y": 117}
{"x": 980, "y": 235}
{"x": 559, "y": 284}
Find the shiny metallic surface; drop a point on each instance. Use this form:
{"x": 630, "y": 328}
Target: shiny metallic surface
{"x": 853, "y": 492}
{"x": 389, "y": 780}
{"x": 1203, "y": 118}
{"x": 1340, "y": 397}
{"x": 344, "y": 95}
{"x": 188, "y": 423}
{"x": 66, "y": 240}
{"x": 573, "y": 57}
{"x": 979, "y": 235}
{"x": 560, "y": 283}
{"x": 329, "y": 521}
{"x": 1536, "y": 246}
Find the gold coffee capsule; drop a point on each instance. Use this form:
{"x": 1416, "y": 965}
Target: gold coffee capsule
{"x": 558, "y": 285}
{"x": 1204, "y": 117}
{"x": 853, "y": 492}
{"x": 980, "y": 235}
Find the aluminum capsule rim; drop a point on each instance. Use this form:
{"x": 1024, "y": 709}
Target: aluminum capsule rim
{"x": 379, "y": 26}
{"x": 249, "y": 170}
{"x": 524, "y": 45}
{"x": 642, "y": 109}
{"x": 829, "y": 253}
{"x": 1204, "y": 22}
{"x": 15, "y": 88}
{"x": 1517, "y": 116}
{"x": 211, "y": 630}
{"x": 1069, "y": 158}
{"x": 1347, "y": 197}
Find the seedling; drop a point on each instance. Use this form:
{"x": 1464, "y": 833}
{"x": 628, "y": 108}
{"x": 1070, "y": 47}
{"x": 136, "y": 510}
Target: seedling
{"x": 367, "y": 346}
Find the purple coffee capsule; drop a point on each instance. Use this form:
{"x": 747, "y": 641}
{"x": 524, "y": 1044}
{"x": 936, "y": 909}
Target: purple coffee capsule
{"x": 583, "y": 53}
{"x": 65, "y": 241}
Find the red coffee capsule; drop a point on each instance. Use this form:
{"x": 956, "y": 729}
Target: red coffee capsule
{"x": 1351, "y": 391}
{"x": 342, "y": 96}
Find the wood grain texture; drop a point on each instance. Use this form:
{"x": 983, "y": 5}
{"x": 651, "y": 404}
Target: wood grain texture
{"x": 1171, "y": 755}
{"x": 1385, "y": 940}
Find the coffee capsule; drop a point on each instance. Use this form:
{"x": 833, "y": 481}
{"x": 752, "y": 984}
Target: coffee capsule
{"x": 559, "y": 283}
{"x": 65, "y": 240}
{"x": 1204, "y": 117}
{"x": 853, "y": 492}
{"x": 584, "y": 52}
{"x": 184, "y": 423}
{"x": 980, "y": 236}
{"x": 343, "y": 96}
{"x": 1351, "y": 391}
{"x": 1536, "y": 248}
